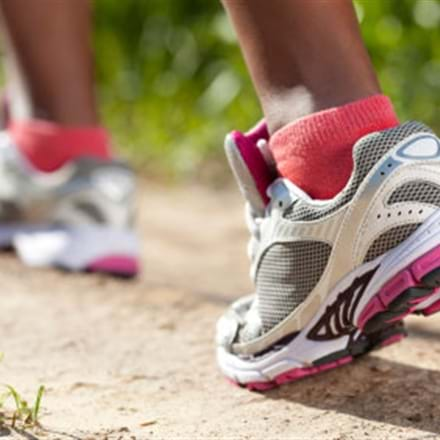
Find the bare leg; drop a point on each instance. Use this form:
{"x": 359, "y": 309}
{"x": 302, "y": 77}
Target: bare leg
{"x": 304, "y": 56}
{"x": 49, "y": 60}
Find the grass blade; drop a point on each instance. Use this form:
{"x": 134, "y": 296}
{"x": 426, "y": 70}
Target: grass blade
{"x": 37, "y": 404}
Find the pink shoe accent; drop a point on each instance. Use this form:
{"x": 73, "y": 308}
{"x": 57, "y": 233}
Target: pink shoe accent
{"x": 433, "y": 308}
{"x": 259, "y": 169}
{"x": 261, "y": 386}
{"x": 344, "y": 361}
{"x": 260, "y": 131}
{"x": 392, "y": 289}
{"x": 426, "y": 263}
{"x": 116, "y": 264}
{"x": 296, "y": 374}
{"x": 407, "y": 278}
{"x": 392, "y": 340}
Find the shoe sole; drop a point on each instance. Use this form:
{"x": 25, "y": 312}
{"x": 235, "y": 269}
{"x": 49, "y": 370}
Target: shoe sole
{"x": 83, "y": 248}
{"x": 413, "y": 290}
{"x": 364, "y": 344}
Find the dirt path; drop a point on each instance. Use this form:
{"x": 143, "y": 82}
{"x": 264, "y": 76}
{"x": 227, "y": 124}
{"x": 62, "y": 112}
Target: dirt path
{"x": 135, "y": 360}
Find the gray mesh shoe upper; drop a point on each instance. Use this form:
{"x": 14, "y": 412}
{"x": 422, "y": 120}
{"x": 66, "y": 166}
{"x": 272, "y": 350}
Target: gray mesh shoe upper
{"x": 288, "y": 273}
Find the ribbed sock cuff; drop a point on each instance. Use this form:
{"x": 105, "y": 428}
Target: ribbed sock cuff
{"x": 315, "y": 152}
{"x": 49, "y": 146}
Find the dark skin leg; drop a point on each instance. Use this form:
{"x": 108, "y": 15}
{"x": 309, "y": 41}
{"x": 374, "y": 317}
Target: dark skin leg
{"x": 49, "y": 60}
{"x": 303, "y": 55}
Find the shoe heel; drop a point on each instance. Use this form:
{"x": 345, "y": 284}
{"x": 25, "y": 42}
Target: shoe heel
{"x": 94, "y": 249}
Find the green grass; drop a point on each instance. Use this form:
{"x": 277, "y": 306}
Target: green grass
{"x": 172, "y": 81}
{"x": 23, "y": 415}
{"x": 19, "y": 415}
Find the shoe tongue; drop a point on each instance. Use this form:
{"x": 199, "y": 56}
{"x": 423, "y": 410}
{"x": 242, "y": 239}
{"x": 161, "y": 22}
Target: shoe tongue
{"x": 250, "y": 162}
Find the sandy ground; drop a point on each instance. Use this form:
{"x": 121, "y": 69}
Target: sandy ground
{"x": 135, "y": 360}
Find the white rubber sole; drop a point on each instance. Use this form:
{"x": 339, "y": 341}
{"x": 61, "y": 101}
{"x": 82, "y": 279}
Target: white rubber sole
{"x": 81, "y": 248}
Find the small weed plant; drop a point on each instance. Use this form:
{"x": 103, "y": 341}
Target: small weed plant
{"x": 22, "y": 415}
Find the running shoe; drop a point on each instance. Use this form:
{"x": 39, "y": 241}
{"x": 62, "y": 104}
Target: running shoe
{"x": 334, "y": 278}
{"x": 79, "y": 217}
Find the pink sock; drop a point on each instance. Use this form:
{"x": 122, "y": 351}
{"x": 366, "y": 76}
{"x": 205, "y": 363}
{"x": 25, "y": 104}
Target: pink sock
{"x": 49, "y": 146}
{"x": 315, "y": 152}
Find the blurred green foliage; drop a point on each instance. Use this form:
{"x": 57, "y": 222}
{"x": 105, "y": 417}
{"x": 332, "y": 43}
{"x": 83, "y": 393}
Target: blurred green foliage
{"x": 172, "y": 81}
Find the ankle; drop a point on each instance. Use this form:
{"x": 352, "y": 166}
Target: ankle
{"x": 315, "y": 152}
{"x": 48, "y": 146}
{"x": 282, "y": 108}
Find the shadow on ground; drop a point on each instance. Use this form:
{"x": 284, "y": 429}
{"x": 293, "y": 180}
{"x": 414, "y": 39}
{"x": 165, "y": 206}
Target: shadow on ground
{"x": 375, "y": 389}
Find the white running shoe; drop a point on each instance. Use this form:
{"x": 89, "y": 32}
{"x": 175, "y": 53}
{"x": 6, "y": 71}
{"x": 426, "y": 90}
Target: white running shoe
{"x": 334, "y": 278}
{"x": 79, "y": 217}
